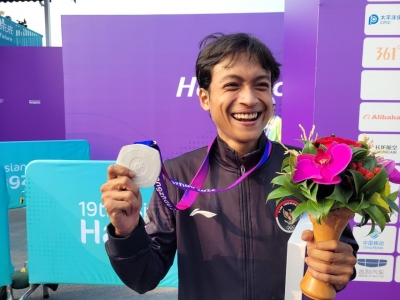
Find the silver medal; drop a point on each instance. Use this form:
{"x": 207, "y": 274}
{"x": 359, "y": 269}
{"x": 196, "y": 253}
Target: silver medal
{"x": 142, "y": 160}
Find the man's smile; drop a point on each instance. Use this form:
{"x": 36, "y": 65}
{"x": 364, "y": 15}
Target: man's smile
{"x": 246, "y": 116}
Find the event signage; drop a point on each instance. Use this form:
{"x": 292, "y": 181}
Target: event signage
{"x": 76, "y": 227}
{"x": 349, "y": 87}
{"x": 15, "y": 156}
{"x": 145, "y": 88}
{"x": 31, "y": 94}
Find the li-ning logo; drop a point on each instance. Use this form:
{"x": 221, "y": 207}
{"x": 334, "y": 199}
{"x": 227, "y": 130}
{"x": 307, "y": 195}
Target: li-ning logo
{"x": 138, "y": 166}
{"x": 207, "y": 214}
{"x": 373, "y": 19}
{"x": 34, "y": 101}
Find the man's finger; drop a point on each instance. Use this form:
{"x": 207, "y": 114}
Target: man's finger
{"x": 119, "y": 207}
{"x": 117, "y": 170}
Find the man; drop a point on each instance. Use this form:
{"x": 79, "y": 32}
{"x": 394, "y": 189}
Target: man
{"x": 240, "y": 252}
{"x": 273, "y": 130}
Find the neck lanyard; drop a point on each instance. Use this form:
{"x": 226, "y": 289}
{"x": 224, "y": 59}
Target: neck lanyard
{"x": 194, "y": 188}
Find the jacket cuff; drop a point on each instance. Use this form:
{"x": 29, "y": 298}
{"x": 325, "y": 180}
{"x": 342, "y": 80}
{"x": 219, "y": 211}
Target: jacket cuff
{"x": 126, "y": 247}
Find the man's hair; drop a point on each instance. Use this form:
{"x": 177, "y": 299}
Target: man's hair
{"x": 217, "y": 46}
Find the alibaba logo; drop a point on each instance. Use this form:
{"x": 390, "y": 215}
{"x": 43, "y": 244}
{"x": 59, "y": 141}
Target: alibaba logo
{"x": 367, "y": 117}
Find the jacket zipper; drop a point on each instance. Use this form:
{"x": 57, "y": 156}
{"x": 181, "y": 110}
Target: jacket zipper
{"x": 246, "y": 229}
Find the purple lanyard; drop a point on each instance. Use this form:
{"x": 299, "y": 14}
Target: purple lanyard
{"x": 194, "y": 188}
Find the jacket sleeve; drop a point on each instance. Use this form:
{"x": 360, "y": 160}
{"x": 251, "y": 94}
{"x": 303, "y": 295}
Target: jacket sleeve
{"x": 142, "y": 259}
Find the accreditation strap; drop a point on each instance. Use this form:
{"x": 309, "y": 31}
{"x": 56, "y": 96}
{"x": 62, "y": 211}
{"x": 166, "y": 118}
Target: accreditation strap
{"x": 195, "y": 186}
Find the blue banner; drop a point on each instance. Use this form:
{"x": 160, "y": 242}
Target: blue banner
{"x": 15, "y": 156}
{"x": 6, "y": 267}
{"x": 64, "y": 198}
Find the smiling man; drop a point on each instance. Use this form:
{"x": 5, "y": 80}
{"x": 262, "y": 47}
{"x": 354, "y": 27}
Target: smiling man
{"x": 230, "y": 243}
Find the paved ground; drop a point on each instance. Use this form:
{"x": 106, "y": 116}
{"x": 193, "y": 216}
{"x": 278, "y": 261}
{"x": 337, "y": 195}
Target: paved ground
{"x": 66, "y": 292}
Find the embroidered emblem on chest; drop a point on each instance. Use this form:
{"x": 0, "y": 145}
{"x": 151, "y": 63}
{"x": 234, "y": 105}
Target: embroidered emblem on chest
{"x": 283, "y": 215}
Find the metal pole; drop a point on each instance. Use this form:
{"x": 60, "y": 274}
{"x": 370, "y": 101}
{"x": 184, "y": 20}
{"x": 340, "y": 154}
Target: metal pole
{"x": 47, "y": 22}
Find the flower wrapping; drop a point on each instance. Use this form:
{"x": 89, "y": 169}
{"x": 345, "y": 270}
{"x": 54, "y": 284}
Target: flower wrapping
{"x": 333, "y": 172}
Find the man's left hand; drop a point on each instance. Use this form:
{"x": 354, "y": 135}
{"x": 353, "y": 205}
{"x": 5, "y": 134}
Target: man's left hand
{"x": 329, "y": 261}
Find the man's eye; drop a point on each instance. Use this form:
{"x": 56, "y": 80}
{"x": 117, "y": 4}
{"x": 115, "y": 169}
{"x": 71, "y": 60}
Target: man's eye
{"x": 231, "y": 85}
{"x": 263, "y": 86}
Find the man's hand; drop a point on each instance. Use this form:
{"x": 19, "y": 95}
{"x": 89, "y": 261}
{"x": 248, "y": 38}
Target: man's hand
{"x": 122, "y": 199}
{"x": 329, "y": 261}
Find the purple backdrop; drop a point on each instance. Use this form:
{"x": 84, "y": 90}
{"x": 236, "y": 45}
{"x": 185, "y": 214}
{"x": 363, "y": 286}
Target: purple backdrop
{"x": 122, "y": 73}
{"x": 323, "y": 51}
{"x": 31, "y": 94}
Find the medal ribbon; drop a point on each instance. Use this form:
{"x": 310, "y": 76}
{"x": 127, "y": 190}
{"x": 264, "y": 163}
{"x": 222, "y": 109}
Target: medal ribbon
{"x": 194, "y": 188}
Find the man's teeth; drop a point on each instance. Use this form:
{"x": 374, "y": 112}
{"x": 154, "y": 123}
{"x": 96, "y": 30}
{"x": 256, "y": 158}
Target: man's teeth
{"x": 245, "y": 116}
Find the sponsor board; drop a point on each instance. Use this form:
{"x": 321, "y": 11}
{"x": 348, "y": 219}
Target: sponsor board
{"x": 377, "y": 241}
{"x": 374, "y": 268}
{"x": 380, "y": 85}
{"x": 379, "y": 117}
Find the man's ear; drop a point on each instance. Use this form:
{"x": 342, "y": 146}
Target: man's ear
{"x": 204, "y": 97}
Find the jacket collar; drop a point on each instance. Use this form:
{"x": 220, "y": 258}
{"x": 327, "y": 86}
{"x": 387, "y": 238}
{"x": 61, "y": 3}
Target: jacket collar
{"x": 228, "y": 157}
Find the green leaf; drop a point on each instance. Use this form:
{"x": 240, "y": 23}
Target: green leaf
{"x": 359, "y": 180}
{"x": 312, "y": 209}
{"x": 337, "y": 205}
{"x": 372, "y": 227}
{"x": 377, "y": 200}
{"x": 358, "y": 206}
{"x": 292, "y": 162}
{"x": 341, "y": 194}
{"x": 314, "y": 191}
{"x": 279, "y": 180}
{"x": 369, "y": 162}
{"x": 386, "y": 190}
{"x": 376, "y": 184}
{"x": 393, "y": 205}
{"x": 294, "y": 190}
{"x": 301, "y": 208}
{"x": 309, "y": 148}
{"x": 359, "y": 153}
{"x": 393, "y": 196}
{"x": 387, "y": 217}
{"x": 324, "y": 206}
{"x": 309, "y": 190}
{"x": 377, "y": 216}
{"x": 278, "y": 193}
{"x": 285, "y": 162}
{"x": 365, "y": 219}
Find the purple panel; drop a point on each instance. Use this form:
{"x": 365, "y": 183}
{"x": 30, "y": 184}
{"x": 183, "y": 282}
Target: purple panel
{"x": 300, "y": 40}
{"x": 340, "y": 46}
{"x": 121, "y": 76}
{"x": 328, "y": 92}
{"x": 31, "y": 94}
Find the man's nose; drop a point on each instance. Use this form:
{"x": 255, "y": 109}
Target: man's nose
{"x": 247, "y": 96}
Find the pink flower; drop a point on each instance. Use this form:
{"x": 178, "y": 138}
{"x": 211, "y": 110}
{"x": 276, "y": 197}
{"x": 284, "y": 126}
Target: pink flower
{"x": 390, "y": 166}
{"x": 324, "y": 167}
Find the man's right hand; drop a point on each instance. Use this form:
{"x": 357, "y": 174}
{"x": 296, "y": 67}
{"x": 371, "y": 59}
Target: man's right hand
{"x": 122, "y": 199}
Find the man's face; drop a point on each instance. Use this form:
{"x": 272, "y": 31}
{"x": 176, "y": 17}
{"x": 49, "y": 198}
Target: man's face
{"x": 239, "y": 100}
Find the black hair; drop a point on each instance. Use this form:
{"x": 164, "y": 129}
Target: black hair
{"x": 217, "y": 46}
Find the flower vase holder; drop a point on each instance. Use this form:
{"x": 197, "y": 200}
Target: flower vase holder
{"x": 331, "y": 228}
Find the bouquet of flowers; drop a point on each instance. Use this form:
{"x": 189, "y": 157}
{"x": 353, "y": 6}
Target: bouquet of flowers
{"x": 332, "y": 172}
